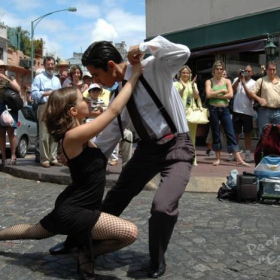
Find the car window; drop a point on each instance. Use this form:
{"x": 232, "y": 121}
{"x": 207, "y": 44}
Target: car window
{"x": 28, "y": 113}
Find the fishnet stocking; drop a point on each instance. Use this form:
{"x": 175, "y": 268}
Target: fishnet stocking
{"x": 112, "y": 233}
{"x": 25, "y": 231}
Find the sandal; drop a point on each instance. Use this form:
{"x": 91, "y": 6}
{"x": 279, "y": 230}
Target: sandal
{"x": 4, "y": 162}
{"x": 243, "y": 164}
{"x": 217, "y": 162}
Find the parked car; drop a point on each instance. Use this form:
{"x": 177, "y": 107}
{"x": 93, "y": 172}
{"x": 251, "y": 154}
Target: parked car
{"x": 25, "y": 133}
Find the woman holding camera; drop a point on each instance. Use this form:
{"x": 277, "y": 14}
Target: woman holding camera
{"x": 12, "y": 83}
{"x": 219, "y": 90}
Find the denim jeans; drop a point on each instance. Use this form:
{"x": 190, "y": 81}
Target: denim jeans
{"x": 217, "y": 115}
{"x": 266, "y": 115}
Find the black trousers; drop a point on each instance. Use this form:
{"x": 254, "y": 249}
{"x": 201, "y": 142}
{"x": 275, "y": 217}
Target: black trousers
{"x": 173, "y": 160}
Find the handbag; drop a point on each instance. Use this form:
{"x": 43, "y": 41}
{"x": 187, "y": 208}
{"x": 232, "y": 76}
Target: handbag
{"x": 12, "y": 99}
{"x": 6, "y": 119}
{"x": 230, "y": 105}
{"x": 256, "y": 106}
{"x": 196, "y": 113}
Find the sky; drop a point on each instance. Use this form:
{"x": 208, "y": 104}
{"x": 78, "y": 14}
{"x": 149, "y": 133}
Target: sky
{"x": 66, "y": 32}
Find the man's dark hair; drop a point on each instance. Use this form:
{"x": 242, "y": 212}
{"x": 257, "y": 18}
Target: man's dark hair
{"x": 47, "y": 58}
{"x": 99, "y": 53}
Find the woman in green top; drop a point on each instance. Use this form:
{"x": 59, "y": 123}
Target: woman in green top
{"x": 219, "y": 91}
{"x": 187, "y": 88}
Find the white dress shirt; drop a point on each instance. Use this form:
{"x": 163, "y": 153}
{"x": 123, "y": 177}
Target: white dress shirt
{"x": 159, "y": 70}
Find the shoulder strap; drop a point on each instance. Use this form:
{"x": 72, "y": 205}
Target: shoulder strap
{"x": 261, "y": 88}
{"x": 116, "y": 92}
{"x": 158, "y": 104}
{"x": 260, "y": 91}
{"x": 61, "y": 146}
{"x": 199, "y": 102}
{"x": 211, "y": 82}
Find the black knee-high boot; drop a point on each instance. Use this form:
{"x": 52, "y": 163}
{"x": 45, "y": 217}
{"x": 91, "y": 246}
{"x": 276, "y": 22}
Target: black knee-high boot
{"x": 161, "y": 227}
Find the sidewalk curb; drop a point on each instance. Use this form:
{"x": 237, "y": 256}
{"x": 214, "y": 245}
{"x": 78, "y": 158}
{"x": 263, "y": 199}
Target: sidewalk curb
{"x": 36, "y": 176}
{"x": 196, "y": 184}
{"x": 63, "y": 179}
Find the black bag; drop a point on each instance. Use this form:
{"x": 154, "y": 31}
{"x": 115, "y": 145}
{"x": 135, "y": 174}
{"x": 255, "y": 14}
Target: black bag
{"x": 257, "y": 105}
{"x": 247, "y": 188}
{"x": 12, "y": 99}
{"x": 230, "y": 105}
{"x": 228, "y": 189}
{"x": 225, "y": 192}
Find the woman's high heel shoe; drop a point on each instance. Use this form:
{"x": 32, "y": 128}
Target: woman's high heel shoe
{"x": 84, "y": 275}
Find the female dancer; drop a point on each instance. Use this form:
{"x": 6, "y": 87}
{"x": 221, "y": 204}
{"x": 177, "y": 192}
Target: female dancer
{"x": 76, "y": 208}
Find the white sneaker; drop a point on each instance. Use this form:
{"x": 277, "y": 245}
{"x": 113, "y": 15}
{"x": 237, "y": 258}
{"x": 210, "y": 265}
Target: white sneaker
{"x": 230, "y": 157}
{"x": 247, "y": 157}
{"x": 212, "y": 154}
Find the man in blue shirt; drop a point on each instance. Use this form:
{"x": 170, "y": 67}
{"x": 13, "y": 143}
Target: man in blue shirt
{"x": 42, "y": 87}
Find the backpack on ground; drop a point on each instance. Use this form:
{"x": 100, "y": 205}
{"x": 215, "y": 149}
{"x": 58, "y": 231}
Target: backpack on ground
{"x": 225, "y": 192}
{"x": 228, "y": 189}
{"x": 239, "y": 188}
{"x": 269, "y": 143}
{"x": 247, "y": 188}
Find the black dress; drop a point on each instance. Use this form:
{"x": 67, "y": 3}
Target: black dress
{"x": 76, "y": 208}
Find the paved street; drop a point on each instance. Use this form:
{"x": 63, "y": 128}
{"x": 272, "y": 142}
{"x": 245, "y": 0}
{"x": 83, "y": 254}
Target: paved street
{"x": 212, "y": 239}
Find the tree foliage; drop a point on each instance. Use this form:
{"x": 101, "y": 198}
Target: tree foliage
{"x": 24, "y": 42}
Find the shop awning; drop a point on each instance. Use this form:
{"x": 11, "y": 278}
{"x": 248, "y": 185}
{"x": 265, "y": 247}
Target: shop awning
{"x": 250, "y": 46}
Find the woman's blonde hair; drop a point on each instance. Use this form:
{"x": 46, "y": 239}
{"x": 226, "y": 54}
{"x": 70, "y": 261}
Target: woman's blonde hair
{"x": 57, "y": 112}
{"x": 182, "y": 68}
{"x": 217, "y": 63}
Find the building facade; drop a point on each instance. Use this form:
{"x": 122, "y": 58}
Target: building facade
{"x": 13, "y": 58}
{"x": 235, "y": 32}
{"x": 3, "y": 42}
